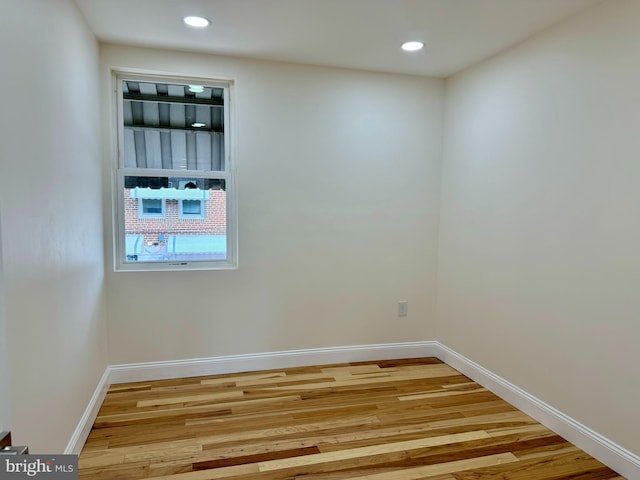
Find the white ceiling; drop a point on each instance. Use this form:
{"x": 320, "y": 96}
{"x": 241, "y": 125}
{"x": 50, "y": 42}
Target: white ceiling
{"x": 362, "y": 34}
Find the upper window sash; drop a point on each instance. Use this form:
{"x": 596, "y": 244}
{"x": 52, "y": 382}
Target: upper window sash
{"x": 165, "y": 126}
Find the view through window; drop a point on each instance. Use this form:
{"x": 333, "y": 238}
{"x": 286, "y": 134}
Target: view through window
{"x": 174, "y": 177}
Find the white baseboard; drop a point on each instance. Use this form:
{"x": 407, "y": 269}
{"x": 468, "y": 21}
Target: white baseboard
{"x": 611, "y": 454}
{"x": 80, "y": 434}
{"x": 140, "y": 372}
{"x": 601, "y": 448}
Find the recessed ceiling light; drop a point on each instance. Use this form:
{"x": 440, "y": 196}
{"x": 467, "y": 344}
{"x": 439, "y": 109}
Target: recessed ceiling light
{"x": 196, "y": 88}
{"x": 412, "y": 46}
{"x": 198, "y": 125}
{"x": 198, "y": 22}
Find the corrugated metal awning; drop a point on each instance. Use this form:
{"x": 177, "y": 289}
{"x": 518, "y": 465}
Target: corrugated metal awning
{"x": 171, "y": 127}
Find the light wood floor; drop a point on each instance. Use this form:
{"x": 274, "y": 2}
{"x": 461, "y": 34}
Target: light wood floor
{"x": 387, "y": 420}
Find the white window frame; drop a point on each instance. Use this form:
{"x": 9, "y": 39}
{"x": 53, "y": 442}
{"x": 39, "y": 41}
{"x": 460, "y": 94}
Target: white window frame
{"x": 190, "y": 216}
{"x": 142, "y": 214}
{"x": 120, "y": 172}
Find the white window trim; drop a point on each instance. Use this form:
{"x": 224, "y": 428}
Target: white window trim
{"x": 119, "y": 173}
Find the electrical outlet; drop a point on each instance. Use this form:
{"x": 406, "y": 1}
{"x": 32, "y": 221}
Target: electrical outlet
{"x": 403, "y": 308}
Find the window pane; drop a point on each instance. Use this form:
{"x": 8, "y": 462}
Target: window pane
{"x": 192, "y": 228}
{"x": 191, "y": 207}
{"x": 170, "y": 126}
{"x": 151, "y": 206}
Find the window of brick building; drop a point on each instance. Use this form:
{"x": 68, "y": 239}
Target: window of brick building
{"x": 151, "y": 208}
{"x": 191, "y": 209}
{"x": 175, "y": 192}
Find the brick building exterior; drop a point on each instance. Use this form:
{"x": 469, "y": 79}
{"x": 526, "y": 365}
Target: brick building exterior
{"x": 157, "y": 230}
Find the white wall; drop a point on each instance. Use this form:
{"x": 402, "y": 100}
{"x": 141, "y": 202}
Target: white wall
{"x": 5, "y": 414}
{"x": 52, "y": 237}
{"x": 338, "y": 187}
{"x": 539, "y": 262}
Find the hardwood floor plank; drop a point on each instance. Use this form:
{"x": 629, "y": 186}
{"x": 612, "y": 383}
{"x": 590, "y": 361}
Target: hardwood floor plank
{"x": 433, "y": 371}
{"x": 545, "y": 468}
{"x": 418, "y": 473}
{"x": 406, "y": 419}
{"x": 242, "y": 378}
{"x": 257, "y": 458}
{"x": 236, "y": 471}
{"x": 190, "y": 398}
{"x": 369, "y": 451}
{"x": 441, "y": 393}
{"x": 114, "y": 472}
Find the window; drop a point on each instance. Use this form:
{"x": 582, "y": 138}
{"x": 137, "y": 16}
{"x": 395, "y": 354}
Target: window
{"x": 191, "y": 209}
{"x": 175, "y": 191}
{"x": 151, "y": 208}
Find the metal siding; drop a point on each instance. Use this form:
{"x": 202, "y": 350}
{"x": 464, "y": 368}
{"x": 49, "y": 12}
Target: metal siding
{"x": 217, "y": 152}
{"x": 141, "y": 149}
{"x": 153, "y": 142}
{"x": 126, "y": 113}
{"x": 150, "y": 114}
{"x": 191, "y": 151}
{"x": 177, "y": 116}
{"x": 178, "y": 150}
{"x": 203, "y": 150}
{"x": 154, "y": 149}
{"x": 129, "y": 150}
{"x": 165, "y": 143}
